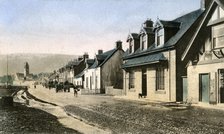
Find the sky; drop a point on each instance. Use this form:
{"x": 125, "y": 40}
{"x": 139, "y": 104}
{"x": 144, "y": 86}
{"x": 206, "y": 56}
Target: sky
{"x": 78, "y": 26}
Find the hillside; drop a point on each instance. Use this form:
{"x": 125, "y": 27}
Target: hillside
{"x": 37, "y": 62}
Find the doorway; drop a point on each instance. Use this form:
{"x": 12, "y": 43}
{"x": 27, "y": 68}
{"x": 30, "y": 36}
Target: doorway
{"x": 204, "y": 83}
{"x": 221, "y": 85}
{"x": 144, "y": 82}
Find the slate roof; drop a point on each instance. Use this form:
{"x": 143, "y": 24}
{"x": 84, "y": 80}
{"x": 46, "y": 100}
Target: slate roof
{"x": 144, "y": 60}
{"x": 185, "y": 21}
{"x": 146, "y": 30}
{"x": 102, "y": 58}
{"x": 172, "y": 24}
{"x": 74, "y": 63}
{"x": 20, "y": 76}
{"x": 80, "y": 74}
{"x": 90, "y": 61}
{"x": 133, "y": 35}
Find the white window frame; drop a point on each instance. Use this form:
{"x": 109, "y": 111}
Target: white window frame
{"x": 144, "y": 42}
{"x": 131, "y": 44}
{"x": 160, "y": 34}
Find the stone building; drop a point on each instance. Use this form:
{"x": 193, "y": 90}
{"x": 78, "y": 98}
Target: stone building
{"x": 152, "y": 64}
{"x": 105, "y": 71}
{"x": 204, "y": 56}
{"x": 26, "y": 75}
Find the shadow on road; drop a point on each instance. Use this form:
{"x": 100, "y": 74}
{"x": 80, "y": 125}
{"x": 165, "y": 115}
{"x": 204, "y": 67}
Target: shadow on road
{"x": 22, "y": 119}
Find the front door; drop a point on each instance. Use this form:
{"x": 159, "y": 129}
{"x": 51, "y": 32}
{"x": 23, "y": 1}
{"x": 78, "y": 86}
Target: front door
{"x": 144, "y": 82}
{"x": 221, "y": 85}
{"x": 204, "y": 88}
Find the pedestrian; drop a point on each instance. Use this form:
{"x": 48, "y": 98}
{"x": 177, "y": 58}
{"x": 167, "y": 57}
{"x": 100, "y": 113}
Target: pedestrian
{"x": 76, "y": 91}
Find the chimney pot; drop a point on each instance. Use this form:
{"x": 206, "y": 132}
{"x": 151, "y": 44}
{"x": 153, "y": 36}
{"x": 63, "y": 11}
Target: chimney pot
{"x": 119, "y": 44}
{"x": 86, "y": 56}
{"x": 100, "y": 51}
{"x": 148, "y": 23}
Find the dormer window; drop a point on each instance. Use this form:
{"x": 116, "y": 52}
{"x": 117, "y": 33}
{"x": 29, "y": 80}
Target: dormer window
{"x": 159, "y": 36}
{"x": 131, "y": 46}
{"x": 143, "y": 41}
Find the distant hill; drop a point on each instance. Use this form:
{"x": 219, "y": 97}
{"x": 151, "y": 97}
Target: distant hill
{"x": 37, "y": 62}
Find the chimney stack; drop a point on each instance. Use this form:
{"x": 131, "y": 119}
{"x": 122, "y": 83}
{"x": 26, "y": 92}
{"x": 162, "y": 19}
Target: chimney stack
{"x": 119, "y": 44}
{"x": 100, "y": 51}
{"x": 148, "y": 23}
{"x": 80, "y": 58}
{"x": 86, "y": 56}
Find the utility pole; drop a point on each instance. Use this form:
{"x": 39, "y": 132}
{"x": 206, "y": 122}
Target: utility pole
{"x": 7, "y": 67}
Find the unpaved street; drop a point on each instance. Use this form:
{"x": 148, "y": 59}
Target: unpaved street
{"x": 125, "y": 116}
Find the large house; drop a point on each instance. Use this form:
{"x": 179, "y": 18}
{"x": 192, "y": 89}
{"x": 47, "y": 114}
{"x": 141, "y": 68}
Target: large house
{"x": 105, "y": 71}
{"x": 152, "y": 65}
{"x": 205, "y": 57}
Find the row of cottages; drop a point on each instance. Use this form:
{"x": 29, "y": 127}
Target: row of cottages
{"x": 105, "y": 71}
{"x": 79, "y": 79}
{"x": 73, "y": 68}
{"x": 152, "y": 64}
{"x": 204, "y": 56}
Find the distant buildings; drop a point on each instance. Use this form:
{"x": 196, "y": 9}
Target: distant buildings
{"x": 26, "y": 75}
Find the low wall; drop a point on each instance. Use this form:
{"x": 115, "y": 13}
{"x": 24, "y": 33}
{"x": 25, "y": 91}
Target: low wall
{"x": 88, "y": 91}
{"x": 112, "y": 91}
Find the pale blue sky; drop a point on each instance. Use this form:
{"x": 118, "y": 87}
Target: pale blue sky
{"x": 78, "y": 26}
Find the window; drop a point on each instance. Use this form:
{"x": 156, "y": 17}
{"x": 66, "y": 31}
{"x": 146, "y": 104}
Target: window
{"x": 131, "y": 79}
{"x": 218, "y": 41}
{"x": 144, "y": 45}
{"x": 160, "y": 37}
{"x": 160, "y": 78}
{"x": 131, "y": 44}
{"x": 218, "y": 36}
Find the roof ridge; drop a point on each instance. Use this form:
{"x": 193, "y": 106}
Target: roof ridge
{"x": 176, "y": 19}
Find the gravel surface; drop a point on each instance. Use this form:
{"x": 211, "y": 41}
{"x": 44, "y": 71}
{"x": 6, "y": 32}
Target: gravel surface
{"x": 22, "y": 119}
{"x": 143, "y": 118}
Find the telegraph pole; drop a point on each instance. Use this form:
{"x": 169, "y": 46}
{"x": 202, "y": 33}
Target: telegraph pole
{"x": 7, "y": 67}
